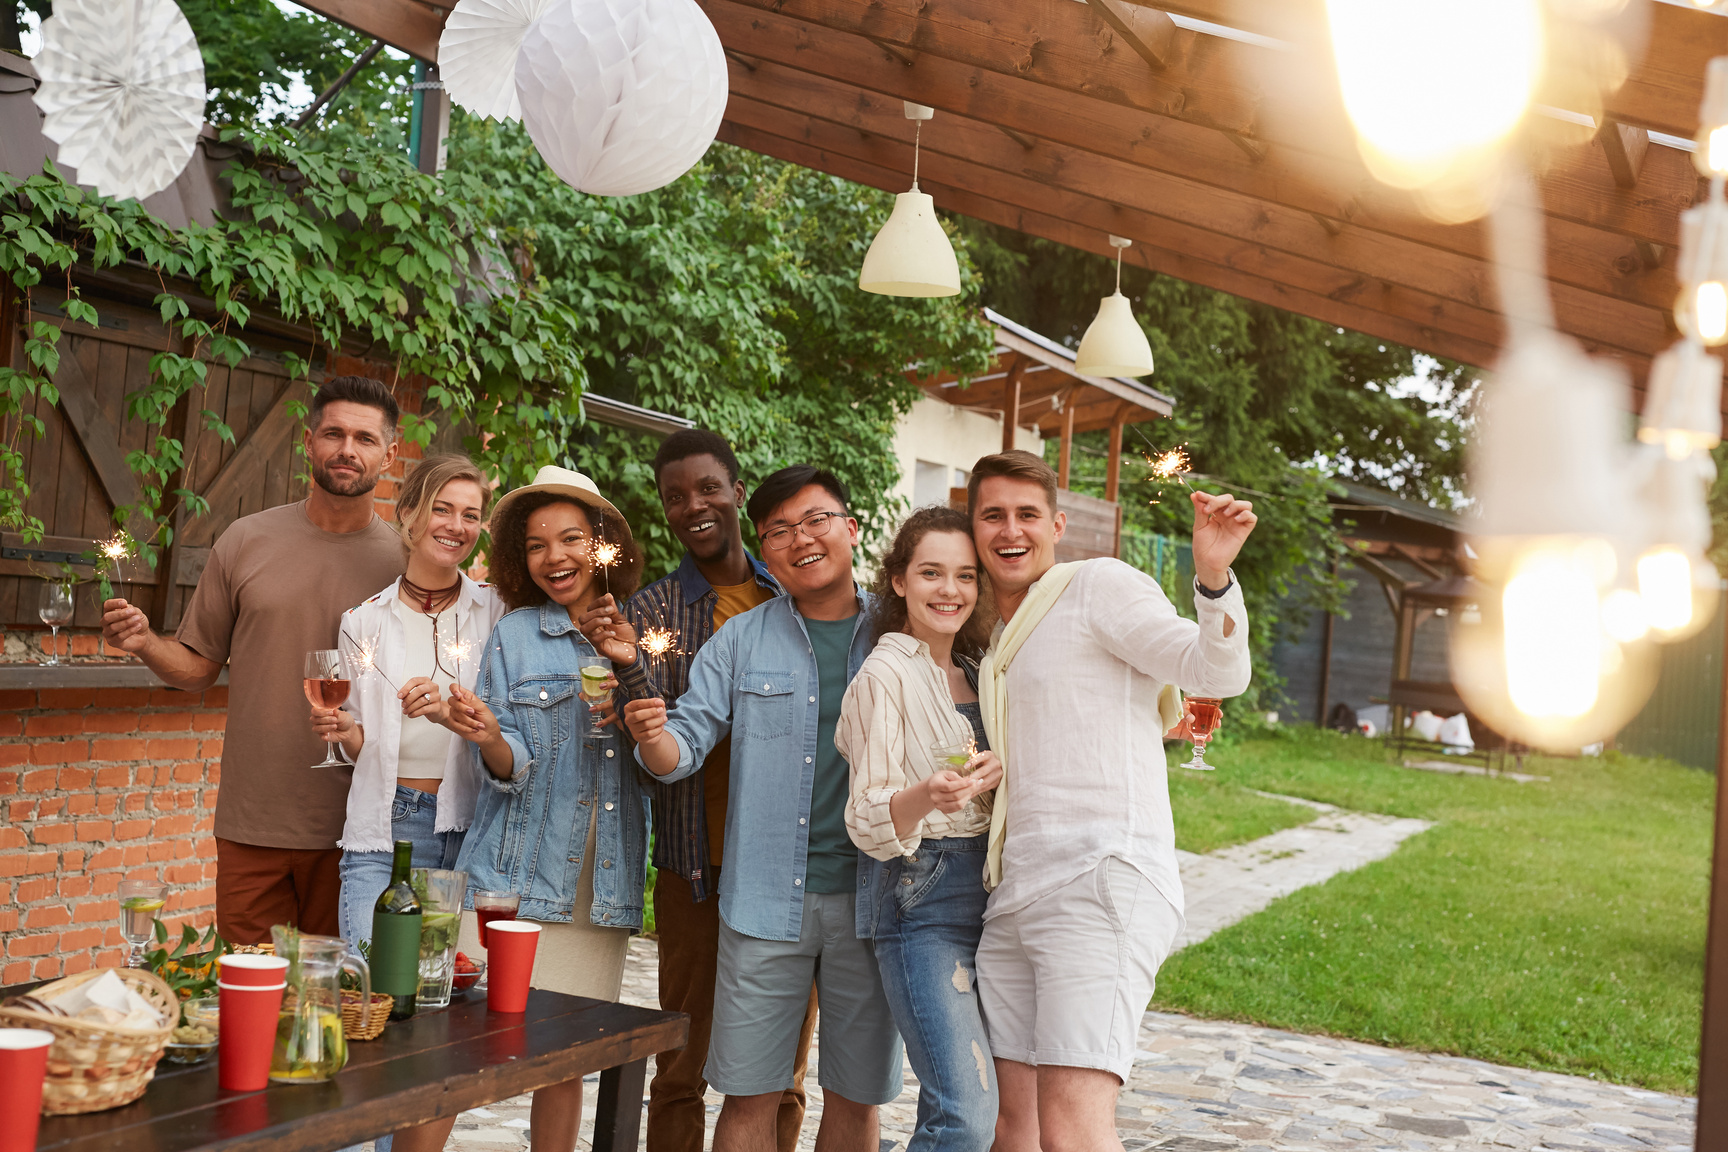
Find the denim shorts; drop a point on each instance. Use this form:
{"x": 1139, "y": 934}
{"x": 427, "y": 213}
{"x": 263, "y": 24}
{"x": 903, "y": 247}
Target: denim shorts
{"x": 365, "y": 875}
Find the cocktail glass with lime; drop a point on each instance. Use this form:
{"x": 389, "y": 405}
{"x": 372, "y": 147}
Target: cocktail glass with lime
{"x": 956, "y": 756}
{"x": 141, "y": 903}
{"x": 596, "y": 689}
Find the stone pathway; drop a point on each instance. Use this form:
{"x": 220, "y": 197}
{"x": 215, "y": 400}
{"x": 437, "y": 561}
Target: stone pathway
{"x": 1205, "y": 1086}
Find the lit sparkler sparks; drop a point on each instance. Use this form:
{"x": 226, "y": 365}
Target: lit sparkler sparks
{"x": 456, "y": 651}
{"x": 115, "y": 548}
{"x": 605, "y": 554}
{"x": 366, "y": 657}
{"x": 110, "y": 554}
{"x": 659, "y": 642}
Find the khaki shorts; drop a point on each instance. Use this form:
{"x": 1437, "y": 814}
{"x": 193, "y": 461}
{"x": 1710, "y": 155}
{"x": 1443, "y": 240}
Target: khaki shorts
{"x": 1065, "y": 979}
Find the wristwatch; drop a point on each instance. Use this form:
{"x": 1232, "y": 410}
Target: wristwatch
{"x": 1212, "y": 594}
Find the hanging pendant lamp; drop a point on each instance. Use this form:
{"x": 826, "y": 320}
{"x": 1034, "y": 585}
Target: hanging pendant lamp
{"x": 911, "y": 255}
{"x": 1114, "y": 345}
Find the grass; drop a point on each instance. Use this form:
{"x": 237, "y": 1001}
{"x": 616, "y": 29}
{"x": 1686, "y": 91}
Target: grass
{"x": 1214, "y": 811}
{"x": 1555, "y": 925}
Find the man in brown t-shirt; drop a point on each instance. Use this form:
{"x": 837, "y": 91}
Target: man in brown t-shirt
{"x": 275, "y": 588}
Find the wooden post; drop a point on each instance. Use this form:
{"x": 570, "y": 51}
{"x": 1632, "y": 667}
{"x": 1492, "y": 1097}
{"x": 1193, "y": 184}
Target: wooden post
{"x": 1065, "y": 459}
{"x": 1011, "y": 401}
{"x": 1712, "y": 1132}
{"x": 1326, "y": 661}
{"x": 1113, "y": 469}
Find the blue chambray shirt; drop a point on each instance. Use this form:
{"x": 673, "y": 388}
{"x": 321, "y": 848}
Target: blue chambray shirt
{"x": 756, "y": 679}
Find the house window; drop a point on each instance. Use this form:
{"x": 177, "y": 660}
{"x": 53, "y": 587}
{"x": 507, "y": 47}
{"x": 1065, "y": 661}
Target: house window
{"x": 929, "y": 484}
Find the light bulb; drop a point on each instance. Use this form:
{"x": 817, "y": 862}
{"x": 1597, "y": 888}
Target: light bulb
{"x": 1711, "y": 155}
{"x": 1393, "y": 56}
{"x": 1683, "y": 406}
{"x": 1553, "y": 650}
{"x": 1702, "y": 269}
{"x": 1665, "y": 587}
{"x": 1710, "y": 311}
{"x": 1623, "y": 616}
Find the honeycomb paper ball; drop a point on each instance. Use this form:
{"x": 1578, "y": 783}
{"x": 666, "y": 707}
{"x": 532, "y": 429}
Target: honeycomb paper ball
{"x": 621, "y": 96}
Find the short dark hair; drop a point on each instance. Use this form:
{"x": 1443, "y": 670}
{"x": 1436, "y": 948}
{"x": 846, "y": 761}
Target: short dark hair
{"x": 781, "y": 486}
{"x": 1016, "y": 465}
{"x": 356, "y": 390}
{"x": 688, "y": 442}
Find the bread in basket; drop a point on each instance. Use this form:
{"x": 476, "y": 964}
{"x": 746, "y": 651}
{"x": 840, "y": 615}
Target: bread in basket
{"x": 93, "y": 1066}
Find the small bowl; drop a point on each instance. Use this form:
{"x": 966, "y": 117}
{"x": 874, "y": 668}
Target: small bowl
{"x": 188, "y": 1053}
{"x": 205, "y": 1010}
{"x": 462, "y": 981}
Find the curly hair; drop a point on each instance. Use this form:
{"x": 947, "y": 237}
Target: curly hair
{"x": 890, "y": 611}
{"x": 508, "y": 564}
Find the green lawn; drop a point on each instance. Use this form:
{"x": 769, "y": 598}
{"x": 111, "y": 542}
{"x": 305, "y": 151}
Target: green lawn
{"x": 1555, "y": 925}
{"x": 1214, "y": 810}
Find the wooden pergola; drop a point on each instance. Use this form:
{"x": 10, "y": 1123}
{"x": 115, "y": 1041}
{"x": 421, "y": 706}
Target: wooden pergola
{"x": 1075, "y": 119}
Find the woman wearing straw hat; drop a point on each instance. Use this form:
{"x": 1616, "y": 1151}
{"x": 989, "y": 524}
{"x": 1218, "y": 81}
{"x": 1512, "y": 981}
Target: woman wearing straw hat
{"x": 564, "y": 823}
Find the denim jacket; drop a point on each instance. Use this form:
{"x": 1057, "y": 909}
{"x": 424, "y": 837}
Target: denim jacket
{"x": 757, "y": 680}
{"x": 529, "y": 831}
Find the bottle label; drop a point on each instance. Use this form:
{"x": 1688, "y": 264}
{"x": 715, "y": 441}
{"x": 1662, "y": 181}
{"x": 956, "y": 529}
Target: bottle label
{"x": 396, "y": 953}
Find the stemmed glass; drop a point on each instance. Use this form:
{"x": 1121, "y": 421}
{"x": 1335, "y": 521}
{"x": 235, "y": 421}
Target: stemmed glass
{"x": 596, "y": 671}
{"x": 1204, "y": 716}
{"x": 490, "y": 906}
{"x": 55, "y": 610}
{"x": 327, "y": 682}
{"x": 141, "y": 901}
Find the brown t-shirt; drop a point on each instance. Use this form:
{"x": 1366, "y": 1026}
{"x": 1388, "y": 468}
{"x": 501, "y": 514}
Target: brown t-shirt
{"x": 731, "y": 600}
{"x": 275, "y": 588}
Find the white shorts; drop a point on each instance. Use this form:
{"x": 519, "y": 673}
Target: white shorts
{"x": 1066, "y": 979}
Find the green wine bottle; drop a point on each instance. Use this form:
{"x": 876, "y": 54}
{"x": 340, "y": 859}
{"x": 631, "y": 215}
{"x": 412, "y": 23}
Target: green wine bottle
{"x": 396, "y": 937}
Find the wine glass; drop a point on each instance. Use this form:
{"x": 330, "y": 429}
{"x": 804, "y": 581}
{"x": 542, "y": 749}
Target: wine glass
{"x": 1205, "y": 714}
{"x": 141, "y": 901}
{"x": 55, "y": 610}
{"x": 327, "y": 682}
{"x": 596, "y": 671}
{"x": 490, "y": 906}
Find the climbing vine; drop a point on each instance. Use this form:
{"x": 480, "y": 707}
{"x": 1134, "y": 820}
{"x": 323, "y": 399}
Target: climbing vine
{"x": 353, "y": 244}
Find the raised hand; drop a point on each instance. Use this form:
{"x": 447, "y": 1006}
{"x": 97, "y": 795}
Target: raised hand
{"x": 612, "y": 636}
{"x": 124, "y": 626}
{"x": 1221, "y": 525}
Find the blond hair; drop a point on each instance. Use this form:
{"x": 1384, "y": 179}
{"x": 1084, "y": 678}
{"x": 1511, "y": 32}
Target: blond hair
{"x": 420, "y": 490}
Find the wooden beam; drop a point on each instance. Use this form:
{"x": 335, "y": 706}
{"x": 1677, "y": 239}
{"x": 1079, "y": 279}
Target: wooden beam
{"x": 245, "y": 468}
{"x": 1035, "y": 353}
{"x": 1062, "y": 98}
{"x": 1712, "y": 1130}
{"x": 1113, "y": 463}
{"x": 1460, "y": 300}
{"x": 410, "y": 25}
{"x": 1421, "y": 564}
{"x": 1624, "y": 147}
{"x": 1011, "y": 402}
{"x": 1065, "y": 456}
{"x": 1149, "y": 32}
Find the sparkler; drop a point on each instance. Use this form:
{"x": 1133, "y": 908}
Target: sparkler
{"x": 366, "y": 657}
{"x": 110, "y": 553}
{"x": 1172, "y": 465}
{"x": 605, "y": 556}
{"x": 659, "y": 643}
{"x": 456, "y": 650}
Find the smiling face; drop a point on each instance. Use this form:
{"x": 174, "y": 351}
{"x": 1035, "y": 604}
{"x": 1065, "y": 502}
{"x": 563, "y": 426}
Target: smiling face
{"x": 940, "y": 584}
{"x": 1016, "y": 531}
{"x": 350, "y": 448}
{"x": 808, "y": 567}
{"x": 556, "y": 543}
{"x": 702, "y": 506}
{"x": 452, "y": 527}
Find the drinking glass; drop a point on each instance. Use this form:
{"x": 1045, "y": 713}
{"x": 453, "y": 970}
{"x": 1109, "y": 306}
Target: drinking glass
{"x": 1205, "y": 714}
{"x": 55, "y": 610}
{"x": 327, "y": 682}
{"x": 596, "y": 671}
{"x": 141, "y": 901}
{"x": 441, "y": 892}
{"x": 956, "y": 756}
{"x": 490, "y": 906}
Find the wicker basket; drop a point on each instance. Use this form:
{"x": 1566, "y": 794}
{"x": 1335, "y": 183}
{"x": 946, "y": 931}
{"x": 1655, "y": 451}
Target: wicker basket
{"x": 94, "y": 1066}
{"x": 354, "y": 1027}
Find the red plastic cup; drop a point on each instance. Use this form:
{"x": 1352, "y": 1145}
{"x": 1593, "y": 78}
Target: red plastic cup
{"x": 509, "y": 963}
{"x": 23, "y": 1063}
{"x": 248, "y": 1034}
{"x": 248, "y": 970}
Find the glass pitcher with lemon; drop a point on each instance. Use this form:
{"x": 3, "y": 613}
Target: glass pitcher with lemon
{"x": 310, "y": 1046}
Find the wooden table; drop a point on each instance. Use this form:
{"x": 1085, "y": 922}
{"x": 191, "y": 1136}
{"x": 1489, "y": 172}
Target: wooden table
{"x": 435, "y": 1065}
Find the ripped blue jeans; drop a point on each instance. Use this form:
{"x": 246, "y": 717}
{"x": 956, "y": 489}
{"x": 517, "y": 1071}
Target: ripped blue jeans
{"x": 929, "y": 915}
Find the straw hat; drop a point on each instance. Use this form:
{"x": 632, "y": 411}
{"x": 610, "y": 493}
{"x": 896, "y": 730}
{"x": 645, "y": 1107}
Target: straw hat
{"x": 564, "y": 482}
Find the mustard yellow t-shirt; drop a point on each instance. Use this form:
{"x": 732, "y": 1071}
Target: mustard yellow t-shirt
{"x": 734, "y": 600}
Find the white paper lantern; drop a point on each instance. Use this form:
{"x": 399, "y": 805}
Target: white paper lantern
{"x": 621, "y": 96}
{"x": 122, "y": 92}
{"x": 477, "y": 53}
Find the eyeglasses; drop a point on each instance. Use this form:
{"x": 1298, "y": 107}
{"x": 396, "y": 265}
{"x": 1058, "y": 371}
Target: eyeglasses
{"x": 814, "y": 525}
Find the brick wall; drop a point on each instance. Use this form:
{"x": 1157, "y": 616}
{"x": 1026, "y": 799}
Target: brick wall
{"x": 99, "y": 786}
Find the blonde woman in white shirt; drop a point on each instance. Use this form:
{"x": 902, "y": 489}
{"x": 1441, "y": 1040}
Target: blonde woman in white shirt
{"x": 413, "y": 779}
{"x": 926, "y": 818}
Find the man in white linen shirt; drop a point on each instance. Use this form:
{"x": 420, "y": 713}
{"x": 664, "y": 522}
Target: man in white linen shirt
{"x": 1090, "y": 900}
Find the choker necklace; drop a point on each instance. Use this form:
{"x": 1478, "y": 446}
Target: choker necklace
{"x": 432, "y": 599}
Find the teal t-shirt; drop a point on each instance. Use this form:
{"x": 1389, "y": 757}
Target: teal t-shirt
{"x": 833, "y": 861}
